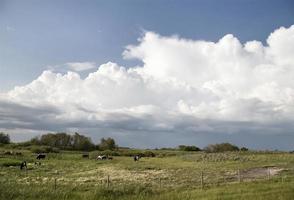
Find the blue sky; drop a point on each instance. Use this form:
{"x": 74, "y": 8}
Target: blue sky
{"x": 149, "y": 73}
{"x": 35, "y": 34}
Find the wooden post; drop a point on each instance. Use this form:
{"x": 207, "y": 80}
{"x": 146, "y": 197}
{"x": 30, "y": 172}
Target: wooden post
{"x": 55, "y": 183}
{"x": 268, "y": 173}
{"x": 159, "y": 182}
{"x": 201, "y": 178}
{"x": 239, "y": 176}
{"x": 108, "y": 181}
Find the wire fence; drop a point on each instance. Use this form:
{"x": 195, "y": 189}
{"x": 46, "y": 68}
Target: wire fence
{"x": 201, "y": 179}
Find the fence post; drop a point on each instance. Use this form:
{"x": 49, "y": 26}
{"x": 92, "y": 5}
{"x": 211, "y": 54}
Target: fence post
{"x": 239, "y": 176}
{"x": 201, "y": 178}
{"x": 159, "y": 182}
{"x": 55, "y": 183}
{"x": 108, "y": 181}
{"x": 268, "y": 173}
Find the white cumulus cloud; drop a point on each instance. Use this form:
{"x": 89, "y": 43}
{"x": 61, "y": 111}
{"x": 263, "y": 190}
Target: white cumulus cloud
{"x": 80, "y": 66}
{"x": 183, "y": 86}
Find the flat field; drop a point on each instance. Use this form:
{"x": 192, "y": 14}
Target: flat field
{"x": 168, "y": 176}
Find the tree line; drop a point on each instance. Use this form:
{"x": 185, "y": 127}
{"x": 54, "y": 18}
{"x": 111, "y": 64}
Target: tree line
{"x": 76, "y": 141}
{"x": 213, "y": 148}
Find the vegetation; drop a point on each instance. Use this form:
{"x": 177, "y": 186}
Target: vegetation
{"x": 174, "y": 177}
{"x": 65, "y": 141}
{"x": 43, "y": 149}
{"x": 188, "y": 148}
{"x": 223, "y": 147}
{"x": 107, "y": 144}
{"x": 4, "y": 138}
{"x": 170, "y": 173}
{"x": 244, "y": 149}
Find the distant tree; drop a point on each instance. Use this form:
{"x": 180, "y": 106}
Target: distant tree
{"x": 65, "y": 141}
{"x": 188, "y": 148}
{"x": 81, "y": 142}
{"x": 244, "y": 149}
{"x": 34, "y": 141}
{"x": 220, "y": 148}
{"x": 4, "y": 138}
{"x": 107, "y": 144}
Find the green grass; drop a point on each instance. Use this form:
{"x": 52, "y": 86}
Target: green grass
{"x": 164, "y": 178}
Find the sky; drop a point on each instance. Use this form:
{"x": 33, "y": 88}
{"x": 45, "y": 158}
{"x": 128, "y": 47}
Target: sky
{"x": 149, "y": 73}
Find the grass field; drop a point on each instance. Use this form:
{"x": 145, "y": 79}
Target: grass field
{"x": 66, "y": 175}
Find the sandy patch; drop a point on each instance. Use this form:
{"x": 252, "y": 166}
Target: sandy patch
{"x": 261, "y": 172}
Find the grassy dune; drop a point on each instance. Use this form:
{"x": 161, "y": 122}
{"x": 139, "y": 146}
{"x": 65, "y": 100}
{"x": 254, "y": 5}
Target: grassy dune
{"x": 173, "y": 177}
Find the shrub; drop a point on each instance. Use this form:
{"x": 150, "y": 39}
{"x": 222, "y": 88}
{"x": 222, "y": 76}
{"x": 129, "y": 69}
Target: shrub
{"x": 4, "y": 138}
{"x": 44, "y": 149}
{"x": 148, "y": 154}
{"x": 244, "y": 149}
{"x": 188, "y": 148}
{"x": 220, "y": 148}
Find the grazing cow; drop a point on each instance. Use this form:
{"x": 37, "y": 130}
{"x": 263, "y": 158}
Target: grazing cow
{"x": 8, "y": 152}
{"x": 23, "y": 165}
{"x": 41, "y": 156}
{"x": 136, "y": 158}
{"x": 85, "y": 155}
{"x": 104, "y": 157}
{"x": 18, "y": 153}
{"x": 109, "y": 158}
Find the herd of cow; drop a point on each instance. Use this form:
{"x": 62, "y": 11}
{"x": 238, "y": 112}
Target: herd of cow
{"x": 23, "y": 165}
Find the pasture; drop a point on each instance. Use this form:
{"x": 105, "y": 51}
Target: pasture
{"x": 176, "y": 175}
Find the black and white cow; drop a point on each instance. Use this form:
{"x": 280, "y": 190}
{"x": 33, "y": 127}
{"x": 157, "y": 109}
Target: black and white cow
{"x": 41, "y": 156}
{"x": 137, "y": 158}
{"x": 23, "y": 165}
{"x": 104, "y": 157}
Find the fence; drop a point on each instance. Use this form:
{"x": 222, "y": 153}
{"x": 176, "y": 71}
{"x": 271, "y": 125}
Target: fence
{"x": 200, "y": 179}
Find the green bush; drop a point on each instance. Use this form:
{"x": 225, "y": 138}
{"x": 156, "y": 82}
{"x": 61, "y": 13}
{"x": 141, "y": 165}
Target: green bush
{"x": 4, "y": 138}
{"x": 44, "y": 149}
{"x": 244, "y": 149}
{"x": 223, "y": 147}
{"x": 189, "y": 148}
{"x": 148, "y": 154}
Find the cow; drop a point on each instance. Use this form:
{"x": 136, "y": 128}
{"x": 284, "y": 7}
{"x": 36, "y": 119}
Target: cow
{"x": 8, "y": 153}
{"x": 136, "y": 158}
{"x": 41, "y": 156}
{"x": 85, "y": 156}
{"x": 23, "y": 165}
{"x": 18, "y": 153}
{"x": 104, "y": 157}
